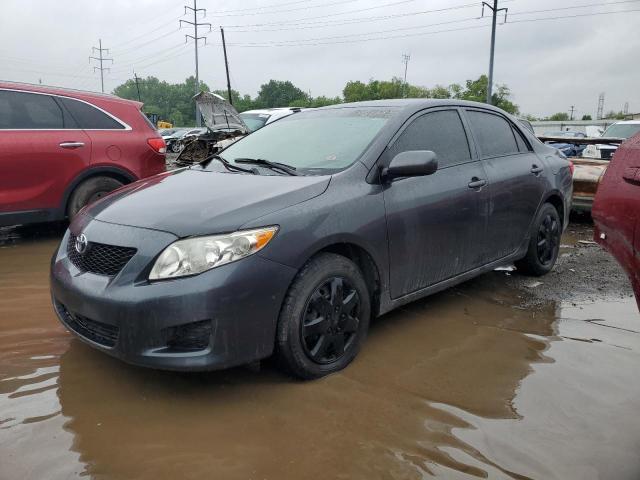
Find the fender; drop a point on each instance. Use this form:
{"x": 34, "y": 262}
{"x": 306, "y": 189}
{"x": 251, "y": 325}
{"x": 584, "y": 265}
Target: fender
{"x": 123, "y": 173}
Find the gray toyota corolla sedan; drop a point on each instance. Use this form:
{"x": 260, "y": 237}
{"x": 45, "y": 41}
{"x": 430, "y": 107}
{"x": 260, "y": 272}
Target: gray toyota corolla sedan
{"x": 293, "y": 238}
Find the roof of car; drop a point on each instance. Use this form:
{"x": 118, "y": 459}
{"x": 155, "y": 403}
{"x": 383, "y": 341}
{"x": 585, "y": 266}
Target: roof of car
{"x": 627, "y": 122}
{"x": 70, "y": 92}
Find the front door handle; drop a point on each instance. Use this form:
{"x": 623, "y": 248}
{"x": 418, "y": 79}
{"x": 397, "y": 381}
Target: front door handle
{"x": 72, "y": 144}
{"x": 477, "y": 183}
{"x": 536, "y": 170}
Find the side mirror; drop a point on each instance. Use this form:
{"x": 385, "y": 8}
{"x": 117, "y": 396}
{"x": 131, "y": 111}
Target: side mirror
{"x": 414, "y": 163}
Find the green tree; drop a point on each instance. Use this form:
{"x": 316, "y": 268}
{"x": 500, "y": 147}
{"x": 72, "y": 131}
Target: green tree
{"x": 172, "y": 102}
{"x": 586, "y": 117}
{"x": 559, "y": 117}
{"x": 476, "y": 91}
{"x": 356, "y": 92}
{"x": 278, "y": 93}
{"x": 614, "y": 115}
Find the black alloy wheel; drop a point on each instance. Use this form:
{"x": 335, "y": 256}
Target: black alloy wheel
{"x": 324, "y": 317}
{"x": 330, "y": 320}
{"x": 544, "y": 243}
{"x": 548, "y": 239}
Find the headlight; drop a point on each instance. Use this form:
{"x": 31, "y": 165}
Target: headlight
{"x": 196, "y": 255}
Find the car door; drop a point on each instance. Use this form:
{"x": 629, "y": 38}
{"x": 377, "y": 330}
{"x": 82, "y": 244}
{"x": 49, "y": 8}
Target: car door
{"x": 516, "y": 185}
{"x": 435, "y": 223}
{"x": 41, "y": 151}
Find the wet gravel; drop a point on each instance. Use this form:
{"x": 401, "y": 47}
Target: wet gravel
{"x": 584, "y": 272}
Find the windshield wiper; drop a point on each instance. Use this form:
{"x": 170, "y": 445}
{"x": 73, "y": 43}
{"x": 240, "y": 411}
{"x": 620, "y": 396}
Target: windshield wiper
{"x": 283, "y": 167}
{"x": 229, "y": 166}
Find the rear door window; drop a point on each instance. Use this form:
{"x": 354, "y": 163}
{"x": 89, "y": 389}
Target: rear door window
{"x": 89, "y": 117}
{"x": 441, "y": 132}
{"x": 29, "y": 111}
{"x": 523, "y": 146}
{"x": 493, "y": 134}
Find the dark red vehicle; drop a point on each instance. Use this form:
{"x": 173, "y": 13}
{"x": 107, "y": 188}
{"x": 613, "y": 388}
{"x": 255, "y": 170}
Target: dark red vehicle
{"x": 616, "y": 210}
{"x": 61, "y": 149}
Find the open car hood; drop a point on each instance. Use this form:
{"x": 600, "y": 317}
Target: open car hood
{"x": 218, "y": 114}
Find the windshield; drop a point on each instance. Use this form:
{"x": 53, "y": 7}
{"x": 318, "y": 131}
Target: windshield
{"x": 314, "y": 142}
{"x": 254, "y": 121}
{"x": 622, "y": 130}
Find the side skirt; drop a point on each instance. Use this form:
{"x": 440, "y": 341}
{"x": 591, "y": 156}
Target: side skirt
{"x": 387, "y": 304}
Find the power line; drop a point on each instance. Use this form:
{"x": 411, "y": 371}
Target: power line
{"x": 342, "y": 2}
{"x": 284, "y": 22}
{"x": 307, "y": 42}
{"x": 266, "y": 6}
{"x": 333, "y": 23}
{"x": 100, "y": 58}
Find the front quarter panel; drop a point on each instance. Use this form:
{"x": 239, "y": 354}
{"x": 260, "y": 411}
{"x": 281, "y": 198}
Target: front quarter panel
{"x": 349, "y": 211}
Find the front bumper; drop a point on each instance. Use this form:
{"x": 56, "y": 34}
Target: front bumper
{"x": 235, "y": 306}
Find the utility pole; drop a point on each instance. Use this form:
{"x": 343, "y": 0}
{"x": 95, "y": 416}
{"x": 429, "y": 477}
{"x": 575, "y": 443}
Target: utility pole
{"x": 137, "y": 85}
{"x": 195, "y": 37}
{"x": 405, "y": 59}
{"x": 572, "y": 110}
{"x": 226, "y": 65}
{"x": 626, "y": 108}
{"x": 100, "y": 58}
{"x": 600, "y": 113}
{"x": 495, "y": 10}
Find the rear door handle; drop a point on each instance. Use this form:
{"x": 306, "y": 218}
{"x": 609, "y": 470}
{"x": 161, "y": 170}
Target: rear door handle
{"x": 477, "y": 182}
{"x": 536, "y": 170}
{"x": 72, "y": 144}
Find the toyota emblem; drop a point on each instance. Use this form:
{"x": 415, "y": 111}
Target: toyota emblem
{"x": 81, "y": 243}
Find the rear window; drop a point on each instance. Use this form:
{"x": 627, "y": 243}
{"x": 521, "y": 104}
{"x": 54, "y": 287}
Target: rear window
{"x": 493, "y": 134}
{"x": 26, "y": 111}
{"x": 89, "y": 117}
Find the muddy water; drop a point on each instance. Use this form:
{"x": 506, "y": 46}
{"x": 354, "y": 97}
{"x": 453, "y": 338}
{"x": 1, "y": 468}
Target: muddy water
{"x": 462, "y": 385}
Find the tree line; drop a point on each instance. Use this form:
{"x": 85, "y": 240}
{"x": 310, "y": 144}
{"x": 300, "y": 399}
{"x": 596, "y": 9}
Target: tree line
{"x": 173, "y": 102}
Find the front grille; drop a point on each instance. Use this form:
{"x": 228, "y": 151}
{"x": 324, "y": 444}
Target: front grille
{"x": 99, "y": 258}
{"x": 98, "y": 332}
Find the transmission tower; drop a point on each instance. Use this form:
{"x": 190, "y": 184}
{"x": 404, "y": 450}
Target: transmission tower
{"x": 195, "y": 24}
{"x": 101, "y": 59}
{"x": 626, "y": 108}
{"x": 600, "y": 113}
{"x": 405, "y": 59}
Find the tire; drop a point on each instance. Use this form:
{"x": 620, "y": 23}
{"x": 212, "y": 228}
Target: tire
{"x": 176, "y": 147}
{"x": 335, "y": 340}
{"x": 89, "y": 191}
{"x": 544, "y": 244}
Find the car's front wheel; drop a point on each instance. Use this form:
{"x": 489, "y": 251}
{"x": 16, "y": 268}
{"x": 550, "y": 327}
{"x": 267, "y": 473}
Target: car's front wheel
{"x": 544, "y": 244}
{"x": 324, "y": 318}
{"x": 89, "y": 191}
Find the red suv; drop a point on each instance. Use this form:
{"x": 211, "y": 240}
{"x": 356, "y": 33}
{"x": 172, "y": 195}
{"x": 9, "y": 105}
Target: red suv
{"x": 616, "y": 210}
{"x": 61, "y": 149}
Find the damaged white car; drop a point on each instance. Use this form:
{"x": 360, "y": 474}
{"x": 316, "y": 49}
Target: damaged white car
{"x": 223, "y": 127}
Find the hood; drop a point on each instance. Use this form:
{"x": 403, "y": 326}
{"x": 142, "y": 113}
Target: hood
{"x": 199, "y": 202}
{"x": 218, "y": 113}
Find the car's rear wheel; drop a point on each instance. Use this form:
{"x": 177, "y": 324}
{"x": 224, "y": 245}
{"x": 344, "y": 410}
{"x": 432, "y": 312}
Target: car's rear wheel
{"x": 89, "y": 191}
{"x": 544, "y": 244}
{"x": 324, "y": 318}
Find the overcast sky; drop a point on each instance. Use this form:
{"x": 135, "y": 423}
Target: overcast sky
{"x": 549, "y": 64}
